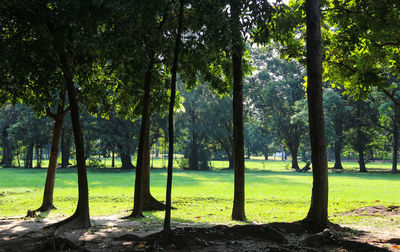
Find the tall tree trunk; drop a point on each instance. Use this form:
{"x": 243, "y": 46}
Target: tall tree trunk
{"x": 361, "y": 161}
{"x": 7, "y": 157}
{"x": 167, "y": 219}
{"x": 194, "y": 153}
{"x": 29, "y": 156}
{"x": 338, "y": 157}
{"x": 149, "y": 202}
{"x": 38, "y": 160}
{"x": 238, "y": 211}
{"x": 112, "y": 159}
{"x": 137, "y": 211}
{"x": 231, "y": 162}
{"x": 318, "y": 213}
{"x": 395, "y": 138}
{"x": 338, "y": 146}
{"x": 266, "y": 152}
{"x": 47, "y": 203}
{"x": 65, "y": 149}
{"x": 293, "y": 151}
{"x": 80, "y": 219}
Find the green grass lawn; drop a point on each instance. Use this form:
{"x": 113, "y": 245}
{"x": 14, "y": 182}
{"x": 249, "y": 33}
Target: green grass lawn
{"x": 273, "y": 192}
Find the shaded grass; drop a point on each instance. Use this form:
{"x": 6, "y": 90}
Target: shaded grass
{"x": 272, "y": 194}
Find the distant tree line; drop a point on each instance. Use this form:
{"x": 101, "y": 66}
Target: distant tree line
{"x": 275, "y": 116}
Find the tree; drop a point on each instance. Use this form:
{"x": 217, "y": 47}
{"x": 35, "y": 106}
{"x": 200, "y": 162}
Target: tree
{"x": 119, "y": 135}
{"x": 337, "y": 118}
{"x": 30, "y": 131}
{"x": 7, "y": 119}
{"x": 362, "y": 131}
{"x": 273, "y": 92}
{"x": 318, "y": 212}
{"x": 167, "y": 219}
{"x": 66, "y": 142}
{"x": 33, "y": 78}
{"x": 61, "y": 39}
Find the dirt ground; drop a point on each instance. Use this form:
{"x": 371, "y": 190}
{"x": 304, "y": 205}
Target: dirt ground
{"x": 112, "y": 233}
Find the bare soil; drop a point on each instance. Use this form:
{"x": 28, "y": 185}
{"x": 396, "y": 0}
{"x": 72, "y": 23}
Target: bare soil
{"x": 112, "y": 233}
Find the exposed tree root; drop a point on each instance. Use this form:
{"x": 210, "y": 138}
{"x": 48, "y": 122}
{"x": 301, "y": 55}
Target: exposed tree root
{"x": 295, "y": 236}
{"x": 151, "y": 204}
{"x": 76, "y": 221}
{"x": 46, "y": 208}
{"x": 134, "y": 215}
{"x": 55, "y": 243}
{"x": 41, "y": 209}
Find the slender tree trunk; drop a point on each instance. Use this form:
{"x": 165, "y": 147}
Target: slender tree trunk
{"x": 29, "y": 156}
{"x": 266, "y": 152}
{"x": 238, "y": 211}
{"x": 112, "y": 159}
{"x": 80, "y": 219}
{"x": 293, "y": 151}
{"x": 338, "y": 146}
{"x": 38, "y": 159}
{"x": 149, "y": 202}
{"x": 361, "y": 161}
{"x": 338, "y": 158}
{"x": 167, "y": 219}
{"x": 194, "y": 159}
{"x": 395, "y": 138}
{"x": 318, "y": 213}
{"x": 7, "y": 157}
{"x": 65, "y": 149}
{"x": 47, "y": 203}
{"x": 137, "y": 211}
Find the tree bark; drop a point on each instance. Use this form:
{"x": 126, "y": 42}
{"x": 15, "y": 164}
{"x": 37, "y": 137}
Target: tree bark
{"x": 193, "y": 158}
{"x": 137, "y": 211}
{"x": 29, "y": 157}
{"x": 7, "y": 157}
{"x": 361, "y": 161}
{"x": 167, "y": 218}
{"x": 238, "y": 211}
{"x": 318, "y": 212}
{"x": 293, "y": 152}
{"x": 112, "y": 159}
{"x": 149, "y": 202}
{"x": 38, "y": 156}
{"x": 395, "y": 138}
{"x": 65, "y": 149}
{"x": 80, "y": 219}
{"x": 338, "y": 146}
{"x": 231, "y": 162}
{"x": 125, "y": 160}
{"x": 47, "y": 203}
{"x": 266, "y": 152}
{"x": 338, "y": 158}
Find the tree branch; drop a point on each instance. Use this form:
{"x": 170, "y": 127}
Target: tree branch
{"x": 391, "y": 97}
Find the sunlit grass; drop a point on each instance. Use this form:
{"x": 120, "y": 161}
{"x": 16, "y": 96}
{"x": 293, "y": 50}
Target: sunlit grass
{"x": 273, "y": 192}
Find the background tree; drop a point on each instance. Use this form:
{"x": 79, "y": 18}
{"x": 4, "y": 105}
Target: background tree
{"x": 30, "y": 131}
{"x": 362, "y": 132}
{"x": 337, "y": 118}
{"x": 280, "y": 83}
{"x": 7, "y": 119}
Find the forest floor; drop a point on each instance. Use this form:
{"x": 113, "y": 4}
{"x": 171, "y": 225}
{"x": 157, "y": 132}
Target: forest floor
{"x": 111, "y": 233}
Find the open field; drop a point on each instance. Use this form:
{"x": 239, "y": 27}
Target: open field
{"x": 273, "y": 193}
